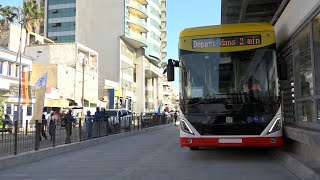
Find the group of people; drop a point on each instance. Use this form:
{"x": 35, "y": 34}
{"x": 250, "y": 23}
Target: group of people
{"x": 66, "y": 121}
{"x": 175, "y": 115}
{"x": 99, "y": 115}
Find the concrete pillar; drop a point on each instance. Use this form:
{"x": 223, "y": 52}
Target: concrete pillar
{"x": 140, "y": 92}
{"x": 155, "y": 93}
{"x": 149, "y": 93}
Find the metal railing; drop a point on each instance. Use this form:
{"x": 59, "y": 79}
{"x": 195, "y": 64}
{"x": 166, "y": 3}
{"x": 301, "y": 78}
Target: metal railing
{"x": 57, "y": 132}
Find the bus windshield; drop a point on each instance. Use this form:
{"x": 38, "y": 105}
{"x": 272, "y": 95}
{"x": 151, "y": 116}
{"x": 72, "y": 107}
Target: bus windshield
{"x": 224, "y": 90}
{"x": 251, "y": 72}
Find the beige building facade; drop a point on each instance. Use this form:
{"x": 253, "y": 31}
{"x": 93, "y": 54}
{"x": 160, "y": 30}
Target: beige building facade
{"x": 72, "y": 73}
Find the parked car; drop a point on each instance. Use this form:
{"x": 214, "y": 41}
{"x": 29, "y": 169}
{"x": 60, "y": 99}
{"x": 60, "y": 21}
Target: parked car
{"x": 6, "y": 126}
{"x": 124, "y": 116}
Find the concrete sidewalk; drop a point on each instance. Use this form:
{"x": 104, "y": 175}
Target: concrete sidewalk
{"x": 33, "y": 156}
{"x": 154, "y": 155}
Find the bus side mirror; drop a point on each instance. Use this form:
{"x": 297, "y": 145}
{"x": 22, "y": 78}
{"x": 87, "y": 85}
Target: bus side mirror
{"x": 170, "y": 70}
{"x": 282, "y": 71}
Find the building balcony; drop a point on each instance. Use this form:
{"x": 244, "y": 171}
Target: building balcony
{"x": 150, "y": 100}
{"x": 163, "y": 55}
{"x": 137, "y": 9}
{"x": 163, "y": 44}
{"x": 156, "y": 2}
{"x": 163, "y": 5}
{"x": 135, "y": 39}
{"x": 137, "y": 24}
{"x": 144, "y": 2}
{"x": 163, "y": 34}
{"x": 152, "y": 71}
{"x": 163, "y": 15}
{"x": 166, "y": 93}
{"x": 163, "y": 24}
{"x": 149, "y": 88}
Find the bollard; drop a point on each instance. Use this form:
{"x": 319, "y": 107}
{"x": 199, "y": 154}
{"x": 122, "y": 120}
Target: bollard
{"x": 140, "y": 121}
{"x": 27, "y": 122}
{"x": 107, "y": 133}
{"x": 37, "y": 136}
{"x": 130, "y": 122}
{"x": 15, "y": 137}
{"x": 54, "y": 133}
{"x": 90, "y": 129}
{"x": 99, "y": 125}
{"x": 80, "y": 132}
{"x": 2, "y": 132}
{"x": 119, "y": 124}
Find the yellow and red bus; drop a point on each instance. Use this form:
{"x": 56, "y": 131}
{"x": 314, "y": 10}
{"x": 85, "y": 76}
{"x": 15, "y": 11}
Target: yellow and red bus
{"x": 229, "y": 90}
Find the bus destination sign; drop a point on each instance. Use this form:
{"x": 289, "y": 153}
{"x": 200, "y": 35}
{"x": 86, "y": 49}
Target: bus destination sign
{"x": 226, "y": 41}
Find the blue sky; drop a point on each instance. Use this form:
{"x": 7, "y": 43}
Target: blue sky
{"x": 180, "y": 14}
{"x": 11, "y": 2}
{"x": 188, "y": 13}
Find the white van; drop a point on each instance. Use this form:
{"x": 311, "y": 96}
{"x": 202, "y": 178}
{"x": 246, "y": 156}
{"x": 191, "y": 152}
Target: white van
{"x": 116, "y": 114}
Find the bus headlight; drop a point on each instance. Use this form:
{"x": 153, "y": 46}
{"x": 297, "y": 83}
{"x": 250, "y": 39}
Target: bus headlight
{"x": 276, "y": 126}
{"x": 185, "y": 128}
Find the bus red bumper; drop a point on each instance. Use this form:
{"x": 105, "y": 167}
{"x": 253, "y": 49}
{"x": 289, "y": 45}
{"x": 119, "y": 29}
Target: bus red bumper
{"x": 231, "y": 142}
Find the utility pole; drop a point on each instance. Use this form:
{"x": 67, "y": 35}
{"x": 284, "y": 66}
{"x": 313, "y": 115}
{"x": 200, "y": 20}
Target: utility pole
{"x": 83, "y": 67}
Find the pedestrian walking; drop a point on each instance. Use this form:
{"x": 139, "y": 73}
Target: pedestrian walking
{"x": 42, "y": 127}
{"x": 69, "y": 120}
{"x": 88, "y": 124}
{"x": 176, "y": 114}
{"x": 51, "y": 129}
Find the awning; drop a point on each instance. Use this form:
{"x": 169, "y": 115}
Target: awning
{"x": 56, "y": 103}
{"x": 91, "y": 100}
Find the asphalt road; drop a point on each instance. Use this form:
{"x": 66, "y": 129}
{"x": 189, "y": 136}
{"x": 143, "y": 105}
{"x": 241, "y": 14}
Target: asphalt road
{"x": 154, "y": 155}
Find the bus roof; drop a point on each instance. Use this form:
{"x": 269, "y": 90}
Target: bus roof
{"x": 226, "y": 28}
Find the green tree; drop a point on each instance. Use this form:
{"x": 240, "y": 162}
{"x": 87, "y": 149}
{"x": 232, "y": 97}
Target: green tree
{"x": 7, "y": 16}
{"x": 32, "y": 17}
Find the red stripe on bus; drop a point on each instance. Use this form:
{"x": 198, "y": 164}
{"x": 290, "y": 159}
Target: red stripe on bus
{"x": 246, "y": 141}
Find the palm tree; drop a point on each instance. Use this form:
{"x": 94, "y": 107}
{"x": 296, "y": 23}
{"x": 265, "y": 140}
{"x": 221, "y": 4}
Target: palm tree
{"x": 7, "y": 16}
{"x": 32, "y": 17}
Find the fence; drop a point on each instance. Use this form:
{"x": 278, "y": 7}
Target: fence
{"x": 39, "y": 135}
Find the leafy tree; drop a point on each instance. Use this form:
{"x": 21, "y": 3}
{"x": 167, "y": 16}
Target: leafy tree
{"x": 7, "y": 16}
{"x": 32, "y": 17}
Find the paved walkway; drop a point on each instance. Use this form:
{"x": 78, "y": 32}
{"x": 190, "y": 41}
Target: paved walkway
{"x": 154, "y": 155}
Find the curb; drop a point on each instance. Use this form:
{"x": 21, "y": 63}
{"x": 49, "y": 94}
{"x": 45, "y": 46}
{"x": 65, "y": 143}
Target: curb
{"x": 296, "y": 167}
{"x": 33, "y": 156}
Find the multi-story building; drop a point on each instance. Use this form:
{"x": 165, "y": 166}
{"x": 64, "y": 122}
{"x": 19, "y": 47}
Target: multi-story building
{"x": 72, "y": 74}
{"x": 10, "y": 38}
{"x": 129, "y": 36}
{"x": 9, "y": 86}
{"x": 9, "y": 68}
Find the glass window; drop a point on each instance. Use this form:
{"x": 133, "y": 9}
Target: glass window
{"x": 8, "y": 109}
{"x": 9, "y": 69}
{"x": 29, "y": 110}
{"x": 303, "y": 65}
{"x": 17, "y": 71}
{"x": 316, "y": 50}
{"x": 305, "y": 111}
